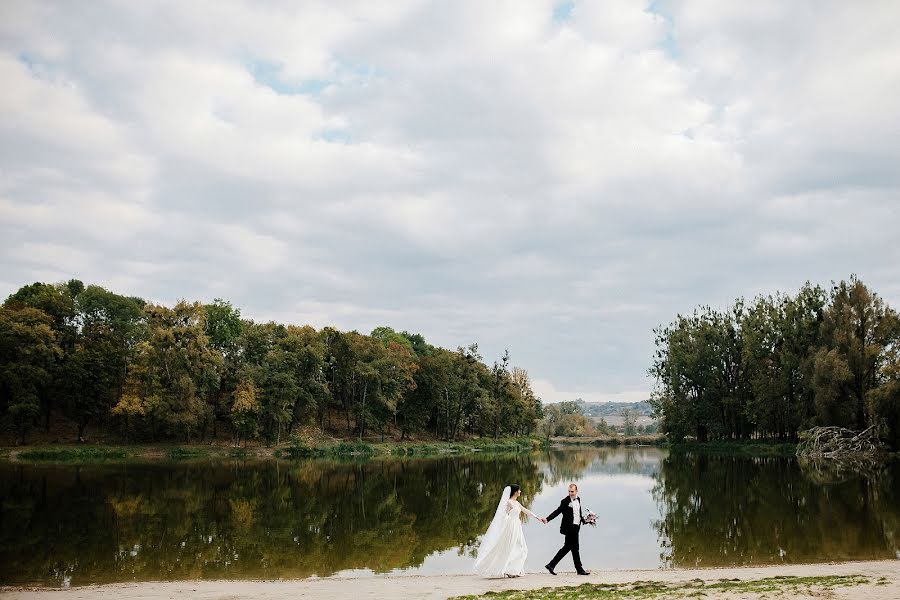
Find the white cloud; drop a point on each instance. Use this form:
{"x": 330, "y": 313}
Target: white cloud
{"x": 475, "y": 172}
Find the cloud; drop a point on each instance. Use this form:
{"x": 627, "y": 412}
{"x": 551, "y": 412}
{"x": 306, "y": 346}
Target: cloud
{"x": 556, "y": 181}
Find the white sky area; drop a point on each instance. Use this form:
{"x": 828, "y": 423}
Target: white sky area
{"x": 556, "y": 178}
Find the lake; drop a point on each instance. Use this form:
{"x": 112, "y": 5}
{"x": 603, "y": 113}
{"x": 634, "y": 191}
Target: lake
{"x": 74, "y": 525}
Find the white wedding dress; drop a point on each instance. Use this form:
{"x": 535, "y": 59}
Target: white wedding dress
{"x": 503, "y": 550}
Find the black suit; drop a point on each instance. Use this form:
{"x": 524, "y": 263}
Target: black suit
{"x": 569, "y": 529}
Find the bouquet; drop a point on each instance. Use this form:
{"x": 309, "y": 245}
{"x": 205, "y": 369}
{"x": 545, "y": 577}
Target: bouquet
{"x": 590, "y": 518}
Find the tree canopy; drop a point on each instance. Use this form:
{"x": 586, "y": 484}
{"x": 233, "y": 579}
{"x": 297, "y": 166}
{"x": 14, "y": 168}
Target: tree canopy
{"x": 781, "y": 364}
{"x": 184, "y": 372}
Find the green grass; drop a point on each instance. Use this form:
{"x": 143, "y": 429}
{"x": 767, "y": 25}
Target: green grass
{"x": 738, "y": 448}
{"x": 181, "y": 453}
{"x": 641, "y": 590}
{"x": 476, "y": 445}
{"x": 67, "y": 454}
{"x": 299, "y": 449}
{"x": 296, "y": 449}
{"x": 611, "y": 440}
{"x": 92, "y": 454}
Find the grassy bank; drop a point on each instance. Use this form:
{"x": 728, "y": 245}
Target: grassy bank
{"x": 611, "y": 440}
{"x": 293, "y": 449}
{"x": 92, "y": 454}
{"x": 738, "y": 448}
{"x": 697, "y": 588}
{"x": 330, "y": 448}
{"x": 299, "y": 450}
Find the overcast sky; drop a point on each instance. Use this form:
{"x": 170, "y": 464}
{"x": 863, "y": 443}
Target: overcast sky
{"x": 556, "y": 178}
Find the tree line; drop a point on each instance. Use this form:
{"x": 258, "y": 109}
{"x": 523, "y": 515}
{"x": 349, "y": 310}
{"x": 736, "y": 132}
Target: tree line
{"x": 780, "y": 364}
{"x": 183, "y": 372}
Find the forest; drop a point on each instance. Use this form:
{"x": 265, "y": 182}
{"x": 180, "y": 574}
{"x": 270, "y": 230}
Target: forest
{"x": 780, "y": 364}
{"x": 195, "y": 372}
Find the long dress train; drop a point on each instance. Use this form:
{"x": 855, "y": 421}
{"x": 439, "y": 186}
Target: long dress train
{"x": 506, "y": 556}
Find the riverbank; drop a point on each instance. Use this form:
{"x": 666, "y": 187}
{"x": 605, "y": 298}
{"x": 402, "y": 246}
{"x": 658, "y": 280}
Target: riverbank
{"x": 337, "y": 448}
{"x": 600, "y": 441}
{"x": 93, "y": 453}
{"x": 737, "y": 447}
{"x": 872, "y": 580}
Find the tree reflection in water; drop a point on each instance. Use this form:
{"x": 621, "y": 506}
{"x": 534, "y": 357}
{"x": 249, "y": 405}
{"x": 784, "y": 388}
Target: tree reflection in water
{"x": 244, "y": 520}
{"x": 728, "y": 510}
{"x": 279, "y": 519}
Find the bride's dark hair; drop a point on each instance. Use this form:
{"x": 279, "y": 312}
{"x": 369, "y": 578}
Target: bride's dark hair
{"x": 513, "y": 488}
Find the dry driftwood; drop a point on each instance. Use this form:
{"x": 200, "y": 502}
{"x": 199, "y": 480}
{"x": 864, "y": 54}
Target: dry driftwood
{"x": 838, "y": 443}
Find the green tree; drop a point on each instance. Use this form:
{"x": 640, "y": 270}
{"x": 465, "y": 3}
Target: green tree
{"x": 388, "y": 336}
{"x": 422, "y": 404}
{"x": 171, "y": 372}
{"x": 58, "y": 302}
{"x": 529, "y": 409}
{"x": 92, "y": 376}
{"x": 223, "y": 329}
{"x": 859, "y": 337}
{"x": 245, "y": 410}
{"x": 780, "y": 333}
{"x": 174, "y": 369}
{"x": 28, "y": 353}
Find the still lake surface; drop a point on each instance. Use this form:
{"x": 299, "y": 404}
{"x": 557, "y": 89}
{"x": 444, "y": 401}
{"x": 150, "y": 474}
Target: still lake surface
{"x": 64, "y": 525}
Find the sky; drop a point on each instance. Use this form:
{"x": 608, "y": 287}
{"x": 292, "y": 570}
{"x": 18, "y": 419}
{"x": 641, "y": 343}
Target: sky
{"x": 555, "y": 178}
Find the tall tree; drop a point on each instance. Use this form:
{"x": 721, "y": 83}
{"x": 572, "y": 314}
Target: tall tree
{"x": 859, "y": 335}
{"x": 223, "y": 328}
{"x": 174, "y": 370}
{"x": 28, "y": 353}
{"x": 58, "y": 302}
{"x": 93, "y": 372}
{"x": 245, "y": 410}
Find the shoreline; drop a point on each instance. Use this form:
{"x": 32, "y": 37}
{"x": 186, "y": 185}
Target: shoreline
{"x": 71, "y": 453}
{"x": 883, "y": 583}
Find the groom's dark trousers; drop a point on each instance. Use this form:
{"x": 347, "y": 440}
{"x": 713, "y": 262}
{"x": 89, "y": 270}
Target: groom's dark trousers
{"x": 570, "y": 545}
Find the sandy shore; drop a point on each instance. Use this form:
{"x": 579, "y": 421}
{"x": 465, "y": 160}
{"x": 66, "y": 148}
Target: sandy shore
{"x": 408, "y": 587}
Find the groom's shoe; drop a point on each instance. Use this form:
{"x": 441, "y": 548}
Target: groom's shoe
{"x": 549, "y": 568}
{"x": 582, "y": 572}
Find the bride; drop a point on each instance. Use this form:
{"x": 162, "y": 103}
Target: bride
{"x": 503, "y": 550}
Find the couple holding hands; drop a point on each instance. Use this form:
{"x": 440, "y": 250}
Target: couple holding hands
{"x": 503, "y": 550}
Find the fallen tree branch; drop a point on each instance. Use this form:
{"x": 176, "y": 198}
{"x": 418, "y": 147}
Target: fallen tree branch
{"x": 838, "y": 443}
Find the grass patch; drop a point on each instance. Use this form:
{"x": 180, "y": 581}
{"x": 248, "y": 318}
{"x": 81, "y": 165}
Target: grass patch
{"x": 351, "y": 448}
{"x": 640, "y": 590}
{"x": 300, "y": 448}
{"x": 180, "y": 453}
{"x": 476, "y": 445}
{"x": 738, "y": 448}
{"x": 90, "y": 453}
{"x": 297, "y": 447}
{"x": 611, "y": 440}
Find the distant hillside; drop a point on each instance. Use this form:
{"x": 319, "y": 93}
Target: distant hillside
{"x": 609, "y": 414}
{"x": 612, "y": 409}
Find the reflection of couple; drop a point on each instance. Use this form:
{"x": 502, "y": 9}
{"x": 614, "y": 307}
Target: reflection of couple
{"x": 503, "y": 550}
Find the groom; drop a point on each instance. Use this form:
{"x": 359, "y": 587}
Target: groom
{"x": 572, "y": 519}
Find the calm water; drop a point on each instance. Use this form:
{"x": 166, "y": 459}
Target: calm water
{"x": 71, "y": 525}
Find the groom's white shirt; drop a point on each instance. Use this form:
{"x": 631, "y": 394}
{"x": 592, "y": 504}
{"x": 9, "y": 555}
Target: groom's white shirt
{"x": 576, "y": 512}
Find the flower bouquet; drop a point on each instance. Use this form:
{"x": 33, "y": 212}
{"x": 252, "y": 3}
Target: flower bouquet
{"x": 590, "y": 518}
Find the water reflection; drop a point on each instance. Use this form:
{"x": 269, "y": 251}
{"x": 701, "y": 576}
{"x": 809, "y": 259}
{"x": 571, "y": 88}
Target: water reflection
{"x": 725, "y": 510}
{"x": 271, "y": 519}
{"x": 105, "y": 523}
